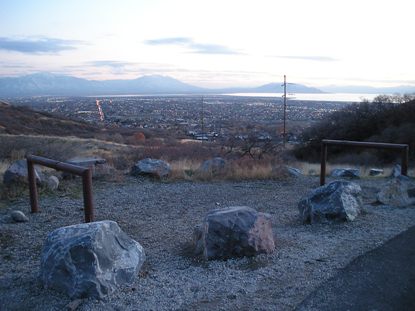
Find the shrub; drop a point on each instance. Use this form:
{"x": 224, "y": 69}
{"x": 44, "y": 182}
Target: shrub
{"x": 377, "y": 121}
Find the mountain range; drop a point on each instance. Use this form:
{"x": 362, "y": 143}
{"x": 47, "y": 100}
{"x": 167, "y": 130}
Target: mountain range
{"x": 52, "y": 84}
{"x": 39, "y": 84}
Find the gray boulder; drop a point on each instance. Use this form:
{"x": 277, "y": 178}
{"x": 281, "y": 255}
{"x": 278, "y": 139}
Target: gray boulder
{"x": 17, "y": 173}
{"x": 90, "y": 259}
{"x": 234, "y": 232}
{"x": 397, "y": 192}
{"x": 213, "y": 166}
{"x": 345, "y": 172}
{"x": 151, "y": 167}
{"x": 375, "y": 172}
{"x": 18, "y": 216}
{"x": 336, "y": 201}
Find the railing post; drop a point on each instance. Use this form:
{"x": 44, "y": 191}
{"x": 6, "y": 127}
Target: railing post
{"x": 88, "y": 200}
{"x": 405, "y": 160}
{"x": 31, "y": 176}
{"x": 323, "y": 163}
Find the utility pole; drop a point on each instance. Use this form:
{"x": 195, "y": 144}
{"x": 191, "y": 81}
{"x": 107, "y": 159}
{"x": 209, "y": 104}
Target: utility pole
{"x": 202, "y": 120}
{"x": 284, "y": 132}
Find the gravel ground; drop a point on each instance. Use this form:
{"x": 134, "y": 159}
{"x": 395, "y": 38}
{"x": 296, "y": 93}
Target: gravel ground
{"x": 161, "y": 217}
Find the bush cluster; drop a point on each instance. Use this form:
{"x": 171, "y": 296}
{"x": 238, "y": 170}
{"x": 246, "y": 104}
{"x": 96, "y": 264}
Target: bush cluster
{"x": 383, "y": 120}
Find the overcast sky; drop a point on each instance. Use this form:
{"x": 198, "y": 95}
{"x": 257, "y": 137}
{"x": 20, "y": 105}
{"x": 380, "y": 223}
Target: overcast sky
{"x": 214, "y": 42}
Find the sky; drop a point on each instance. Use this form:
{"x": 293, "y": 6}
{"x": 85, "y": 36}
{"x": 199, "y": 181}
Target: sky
{"x": 212, "y": 43}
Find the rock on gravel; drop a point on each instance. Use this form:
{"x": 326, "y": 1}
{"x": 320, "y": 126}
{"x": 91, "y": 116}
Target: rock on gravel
{"x": 52, "y": 183}
{"x": 213, "y": 166}
{"x": 396, "y": 171}
{"x": 152, "y": 167}
{"x": 18, "y": 216}
{"x": 89, "y": 260}
{"x": 17, "y": 173}
{"x": 295, "y": 172}
{"x": 395, "y": 192}
{"x": 338, "y": 200}
{"x": 345, "y": 172}
{"x": 375, "y": 172}
{"x": 234, "y": 232}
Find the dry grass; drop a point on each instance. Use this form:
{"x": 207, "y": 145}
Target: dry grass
{"x": 185, "y": 158}
{"x": 237, "y": 169}
{"x": 313, "y": 169}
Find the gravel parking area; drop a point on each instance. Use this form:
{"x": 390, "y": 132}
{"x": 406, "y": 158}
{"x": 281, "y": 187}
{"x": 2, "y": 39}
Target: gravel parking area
{"x": 161, "y": 217}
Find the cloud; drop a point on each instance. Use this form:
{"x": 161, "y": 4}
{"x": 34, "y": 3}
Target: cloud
{"x": 114, "y": 66}
{"x": 37, "y": 46}
{"x": 194, "y": 47}
{"x": 312, "y": 58}
{"x": 109, "y": 63}
{"x": 211, "y": 49}
{"x": 170, "y": 41}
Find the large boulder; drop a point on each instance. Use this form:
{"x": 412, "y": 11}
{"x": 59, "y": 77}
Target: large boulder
{"x": 345, "y": 172}
{"x": 90, "y": 259}
{"x": 234, "y": 232}
{"x": 213, "y": 166}
{"x": 338, "y": 200}
{"x": 17, "y": 173}
{"x": 397, "y": 192}
{"x": 151, "y": 167}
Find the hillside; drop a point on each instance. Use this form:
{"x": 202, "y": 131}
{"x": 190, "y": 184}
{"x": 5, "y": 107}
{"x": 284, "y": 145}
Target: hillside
{"x": 22, "y": 120}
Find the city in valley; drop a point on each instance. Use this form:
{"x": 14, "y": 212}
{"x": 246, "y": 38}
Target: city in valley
{"x": 212, "y": 117}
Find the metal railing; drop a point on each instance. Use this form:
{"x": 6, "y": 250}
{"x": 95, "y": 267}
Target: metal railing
{"x": 326, "y": 142}
{"x": 85, "y": 173}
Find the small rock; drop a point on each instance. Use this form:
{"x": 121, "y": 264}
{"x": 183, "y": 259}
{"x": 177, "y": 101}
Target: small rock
{"x": 19, "y": 216}
{"x": 295, "y": 172}
{"x": 52, "y": 183}
{"x": 345, "y": 172}
{"x": 395, "y": 192}
{"x": 95, "y": 163}
{"x": 74, "y": 304}
{"x": 375, "y": 172}
{"x": 396, "y": 171}
{"x": 213, "y": 166}
{"x": 234, "y": 232}
{"x": 338, "y": 200}
{"x": 152, "y": 167}
{"x": 313, "y": 172}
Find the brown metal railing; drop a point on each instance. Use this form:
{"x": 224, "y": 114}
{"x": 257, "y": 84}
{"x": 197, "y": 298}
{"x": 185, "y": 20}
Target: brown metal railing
{"x": 85, "y": 173}
{"x": 325, "y": 142}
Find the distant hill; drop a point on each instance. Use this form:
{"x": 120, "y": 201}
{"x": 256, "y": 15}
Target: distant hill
{"x": 52, "y": 84}
{"x": 293, "y": 88}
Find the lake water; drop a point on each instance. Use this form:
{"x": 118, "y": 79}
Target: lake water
{"x": 337, "y": 97}
{"x": 329, "y": 97}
